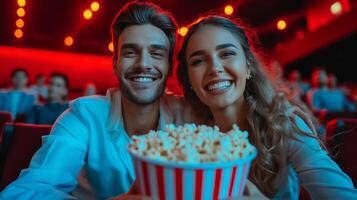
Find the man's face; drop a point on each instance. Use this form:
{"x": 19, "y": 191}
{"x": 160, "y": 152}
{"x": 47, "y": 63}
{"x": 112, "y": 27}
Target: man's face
{"x": 19, "y": 80}
{"x": 319, "y": 78}
{"x": 143, "y": 63}
{"x": 40, "y": 81}
{"x": 57, "y": 90}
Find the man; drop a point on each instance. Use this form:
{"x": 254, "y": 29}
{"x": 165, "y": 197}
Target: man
{"x": 92, "y": 136}
{"x": 322, "y": 98}
{"x": 17, "y": 100}
{"x": 57, "y": 103}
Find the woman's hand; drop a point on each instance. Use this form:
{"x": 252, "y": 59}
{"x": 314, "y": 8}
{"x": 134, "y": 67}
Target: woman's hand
{"x": 253, "y": 193}
{"x": 130, "y": 197}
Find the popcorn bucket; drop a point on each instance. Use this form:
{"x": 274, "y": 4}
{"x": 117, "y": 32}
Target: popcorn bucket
{"x": 162, "y": 179}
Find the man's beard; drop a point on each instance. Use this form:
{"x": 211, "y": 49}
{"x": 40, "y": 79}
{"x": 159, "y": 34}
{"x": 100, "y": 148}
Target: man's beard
{"x": 155, "y": 93}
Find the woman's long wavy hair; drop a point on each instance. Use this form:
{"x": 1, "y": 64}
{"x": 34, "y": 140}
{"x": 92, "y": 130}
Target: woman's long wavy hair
{"x": 271, "y": 115}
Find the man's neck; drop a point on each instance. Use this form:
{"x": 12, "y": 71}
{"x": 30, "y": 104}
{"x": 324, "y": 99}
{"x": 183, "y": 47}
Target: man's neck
{"x": 139, "y": 119}
{"x": 60, "y": 101}
{"x": 18, "y": 89}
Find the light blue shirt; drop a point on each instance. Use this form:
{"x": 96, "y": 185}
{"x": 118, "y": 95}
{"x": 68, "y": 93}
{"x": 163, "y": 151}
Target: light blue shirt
{"x": 334, "y": 100}
{"x": 311, "y": 167}
{"x": 89, "y": 139}
{"x": 16, "y": 101}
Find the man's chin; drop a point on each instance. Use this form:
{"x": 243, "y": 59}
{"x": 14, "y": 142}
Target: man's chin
{"x": 142, "y": 97}
{"x": 142, "y": 100}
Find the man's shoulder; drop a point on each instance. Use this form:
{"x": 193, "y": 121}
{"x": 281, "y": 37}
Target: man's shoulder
{"x": 181, "y": 109}
{"x": 173, "y": 100}
{"x": 93, "y": 103}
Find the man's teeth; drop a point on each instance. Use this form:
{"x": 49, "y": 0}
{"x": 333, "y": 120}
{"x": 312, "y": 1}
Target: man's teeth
{"x": 219, "y": 85}
{"x": 143, "y": 79}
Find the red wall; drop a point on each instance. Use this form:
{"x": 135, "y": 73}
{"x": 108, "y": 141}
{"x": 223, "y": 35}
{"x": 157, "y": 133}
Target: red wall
{"x": 80, "y": 68}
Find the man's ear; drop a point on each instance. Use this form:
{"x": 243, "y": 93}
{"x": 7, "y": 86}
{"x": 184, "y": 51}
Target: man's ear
{"x": 115, "y": 68}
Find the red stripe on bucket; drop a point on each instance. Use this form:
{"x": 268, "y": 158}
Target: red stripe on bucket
{"x": 198, "y": 184}
{"x": 242, "y": 178}
{"x": 160, "y": 182}
{"x": 146, "y": 179}
{"x": 217, "y": 183}
{"x": 178, "y": 183}
{"x": 233, "y": 176}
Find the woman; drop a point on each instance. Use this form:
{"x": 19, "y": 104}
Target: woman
{"x": 223, "y": 79}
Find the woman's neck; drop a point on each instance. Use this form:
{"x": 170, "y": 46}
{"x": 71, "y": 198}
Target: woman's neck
{"x": 233, "y": 114}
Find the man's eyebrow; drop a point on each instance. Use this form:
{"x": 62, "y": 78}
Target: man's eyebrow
{"x": 159, "y": 47}
{"x": 136, "y": 46}
{"x": 129, "y": 46}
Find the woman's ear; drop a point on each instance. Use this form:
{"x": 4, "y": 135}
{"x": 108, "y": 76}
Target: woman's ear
{"x": 249, "y": 73}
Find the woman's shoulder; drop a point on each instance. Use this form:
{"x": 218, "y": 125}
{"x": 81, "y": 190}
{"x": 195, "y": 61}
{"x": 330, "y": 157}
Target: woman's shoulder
{"x": 302, "y": 125}
{"x": 304, "y": 138}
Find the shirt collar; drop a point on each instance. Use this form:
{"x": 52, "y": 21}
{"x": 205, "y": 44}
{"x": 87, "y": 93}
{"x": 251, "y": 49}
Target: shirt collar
{"x": 115, "y": 122}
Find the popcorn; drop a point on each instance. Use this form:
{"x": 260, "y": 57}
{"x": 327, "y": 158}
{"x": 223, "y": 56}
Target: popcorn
{"x": 192, "y": 143}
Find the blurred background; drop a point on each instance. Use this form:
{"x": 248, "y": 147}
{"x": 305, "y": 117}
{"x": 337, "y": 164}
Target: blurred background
{"x": 73, "y": 36}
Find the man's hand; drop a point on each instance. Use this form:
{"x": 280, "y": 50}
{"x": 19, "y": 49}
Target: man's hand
{"x": 132, "y": 194}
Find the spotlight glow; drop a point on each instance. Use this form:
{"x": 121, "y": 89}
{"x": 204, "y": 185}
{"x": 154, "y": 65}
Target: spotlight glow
{"x": 228, "y": 10}
{"x": 94, "y": 6}
{"x": 183, "y": 31}
{"x": 20, "y": 12}
{"x": 87, "y": 14}
{"x": 20, "y": 23}
{"x": 336, "y": 8}
{"x": 18, "y": 33}
{"x": 68, "y": 41}
{"x": 281, "y": 25}
{"x": 21, "y": 3}
{"x": 111, "y": 47}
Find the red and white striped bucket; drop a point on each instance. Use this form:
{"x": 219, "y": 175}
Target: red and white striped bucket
{"x": 168, "y": 180}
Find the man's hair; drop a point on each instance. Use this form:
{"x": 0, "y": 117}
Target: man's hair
{"x": 38, "y": 76}
{"x": 141, "y": 13}
{"x": 19, "y": 69}
{"x": 62, "y": 76}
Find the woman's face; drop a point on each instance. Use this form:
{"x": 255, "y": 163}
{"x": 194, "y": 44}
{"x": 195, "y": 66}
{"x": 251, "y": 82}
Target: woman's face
{"x": 217, "y": 67}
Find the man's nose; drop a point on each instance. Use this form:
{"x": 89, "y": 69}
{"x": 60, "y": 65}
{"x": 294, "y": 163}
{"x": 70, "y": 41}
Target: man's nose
{"x": 145, "y": 61}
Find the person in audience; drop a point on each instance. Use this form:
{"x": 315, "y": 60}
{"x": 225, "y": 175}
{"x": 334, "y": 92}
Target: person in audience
{"x": 354, "y": 96}
{"x": 225, "y": 82}
{"x": 89, "y": 140}
{"x": 331, "y": 81}
{"x": 90, "y": 89}
{"x": 322, "y": 98}
{"x": 17, "y": 100}
{"x": 292, "y": 88}
{"x": 40, "y": 89}
{"x": 294, "y": 79}
{"x": 333, "y": 85}
{"x": 56, "y": 104}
